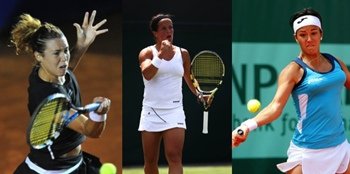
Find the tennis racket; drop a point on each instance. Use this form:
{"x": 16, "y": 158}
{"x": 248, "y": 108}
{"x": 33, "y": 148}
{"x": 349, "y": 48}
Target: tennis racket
{"x": 50, "y": 117}
{"x": 207, "y": 73}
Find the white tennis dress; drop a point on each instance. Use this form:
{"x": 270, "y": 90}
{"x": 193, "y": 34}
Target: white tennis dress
{"x": 333, "y": 159}
{"x": 162, "y": 106}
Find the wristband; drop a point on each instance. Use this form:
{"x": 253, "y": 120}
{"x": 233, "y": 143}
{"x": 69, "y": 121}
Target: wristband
{"x": 96, "y": 117}
{"x": 251, "y": 124}
{"x": 156, "y": 61}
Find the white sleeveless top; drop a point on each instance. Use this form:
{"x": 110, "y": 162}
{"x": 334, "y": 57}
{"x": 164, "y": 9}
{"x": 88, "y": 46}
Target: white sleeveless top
{"x": 164, "y": 90}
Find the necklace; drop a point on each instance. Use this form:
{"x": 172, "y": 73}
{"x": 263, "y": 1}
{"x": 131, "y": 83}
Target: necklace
{"x": 311, "y": 61}
{"x": 320, "y": 64}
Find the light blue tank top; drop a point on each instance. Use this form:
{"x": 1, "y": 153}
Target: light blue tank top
{"x": 317, "y": 99}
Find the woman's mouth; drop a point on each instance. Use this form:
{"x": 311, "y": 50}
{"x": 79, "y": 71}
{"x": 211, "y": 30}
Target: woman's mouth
{"x": 63, "y": 66}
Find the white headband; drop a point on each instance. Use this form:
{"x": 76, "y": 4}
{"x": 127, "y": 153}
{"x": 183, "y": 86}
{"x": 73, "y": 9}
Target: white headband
{"x": 306, "y": 20}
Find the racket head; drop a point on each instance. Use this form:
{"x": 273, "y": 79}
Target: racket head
{"x": 207, "y": 71}
{"x": 48, "y": 120}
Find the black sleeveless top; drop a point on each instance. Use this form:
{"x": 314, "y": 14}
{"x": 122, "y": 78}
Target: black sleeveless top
{"x": 38, "y": 90}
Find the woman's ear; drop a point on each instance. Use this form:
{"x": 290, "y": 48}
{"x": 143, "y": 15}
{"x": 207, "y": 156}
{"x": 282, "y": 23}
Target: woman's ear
{"x": 38, "y": 56}
{"x": 295, "y": 38}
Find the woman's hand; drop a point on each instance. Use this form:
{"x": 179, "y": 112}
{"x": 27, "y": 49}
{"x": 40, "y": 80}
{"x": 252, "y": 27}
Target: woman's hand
{"x": 87, "y": 32}
{"x": 166, "y": 50}
{"x": 239, "y": 137}
{"x": 105, "y": 105}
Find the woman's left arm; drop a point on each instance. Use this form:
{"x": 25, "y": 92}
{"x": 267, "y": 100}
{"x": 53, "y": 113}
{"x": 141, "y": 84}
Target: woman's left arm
{"x": 187, "y": 70}
{"x": 347, "y": 73}
{"x": 93, "y": 124}
{"x": 86, "y": 34}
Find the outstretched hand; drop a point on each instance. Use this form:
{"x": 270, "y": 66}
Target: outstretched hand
{"x": 87, "y": 32}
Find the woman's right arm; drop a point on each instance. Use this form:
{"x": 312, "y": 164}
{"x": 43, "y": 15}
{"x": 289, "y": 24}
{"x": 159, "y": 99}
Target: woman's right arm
{"x": 288, "y": 78}
{"x": 148, "y": 70}
{"x": 93, "y": 124}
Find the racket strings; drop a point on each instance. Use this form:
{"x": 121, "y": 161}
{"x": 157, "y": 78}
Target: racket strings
{"x": 47, "y": 122}
{"x": 208, "y": 71}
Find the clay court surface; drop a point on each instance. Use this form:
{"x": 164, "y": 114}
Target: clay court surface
{"x": 98, "y": 75}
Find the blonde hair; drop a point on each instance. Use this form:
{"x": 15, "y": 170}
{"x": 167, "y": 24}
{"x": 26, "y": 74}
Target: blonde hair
{"x": 29, "y": 34}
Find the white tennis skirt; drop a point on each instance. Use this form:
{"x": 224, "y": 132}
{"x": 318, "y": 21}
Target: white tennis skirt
{"x": 321, "y": 161}
{"x": 157, "y": 120}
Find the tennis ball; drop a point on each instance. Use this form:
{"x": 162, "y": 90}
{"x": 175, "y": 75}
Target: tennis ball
{"x": 253, "y": 105}
{"x": 108, "y": 168}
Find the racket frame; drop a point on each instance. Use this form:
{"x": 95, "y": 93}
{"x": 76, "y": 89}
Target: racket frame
{"x": 203, "y": 93}
{"x": 63, "y": 120}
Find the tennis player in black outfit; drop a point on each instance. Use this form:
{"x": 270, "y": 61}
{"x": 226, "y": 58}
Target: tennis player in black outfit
{"x": 51, "y": 74}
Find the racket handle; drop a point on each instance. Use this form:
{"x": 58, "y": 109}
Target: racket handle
{"x": 92, "y": 107}
{"x": 205, "y": 122}
{"x": 240, "y": 132}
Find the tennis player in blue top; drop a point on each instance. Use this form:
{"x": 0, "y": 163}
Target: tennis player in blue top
{"x": 313, "y": 79}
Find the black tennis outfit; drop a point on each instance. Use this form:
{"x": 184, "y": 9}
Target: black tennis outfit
{"x": 38, "y": 90}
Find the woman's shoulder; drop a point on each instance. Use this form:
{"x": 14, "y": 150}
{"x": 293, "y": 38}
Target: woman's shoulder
{"x": 147, "y": 51}
{"x": 182, "y": 49}
{"x": 148, "y": 48}
{"x": 145, "y": 54}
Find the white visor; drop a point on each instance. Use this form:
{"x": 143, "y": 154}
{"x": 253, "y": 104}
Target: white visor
{"x": 305, "y": 21}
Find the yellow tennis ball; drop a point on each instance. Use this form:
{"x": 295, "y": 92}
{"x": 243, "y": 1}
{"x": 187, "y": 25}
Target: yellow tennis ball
{"x": 253, "y": 105}
{"x": 108, "y": 168}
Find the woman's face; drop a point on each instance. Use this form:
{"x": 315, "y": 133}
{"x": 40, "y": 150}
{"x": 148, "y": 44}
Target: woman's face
{"x": 165, "y": 30}
{"x": 309, "y": 39}
{"x": 55, "y": 58}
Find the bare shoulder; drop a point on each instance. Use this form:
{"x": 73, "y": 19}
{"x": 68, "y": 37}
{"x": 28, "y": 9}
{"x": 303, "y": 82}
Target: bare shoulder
{"x": 184, "y": 51}
{"x": 185, "y": 54}
{"x": 292, "y": 72}
{"x": 343, "y": 65}
{"x": 340, "y": 61}
{"x": 292, "y": 66}
{"x": 145, "y": 53}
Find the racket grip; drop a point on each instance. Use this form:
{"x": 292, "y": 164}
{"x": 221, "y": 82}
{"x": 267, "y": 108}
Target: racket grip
{"x": 205, "y": 122}
{"x": 240, "y": 132}
{"x": 92, "y": 107}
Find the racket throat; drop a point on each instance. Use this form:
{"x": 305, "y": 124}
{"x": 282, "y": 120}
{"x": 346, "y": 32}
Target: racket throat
{"x": 51, "y": 152}
{"x": 206, "y": 103}
{"x": 206, "y": 106}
